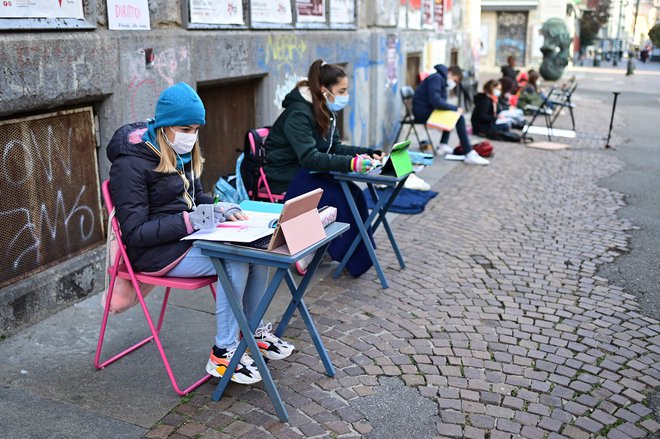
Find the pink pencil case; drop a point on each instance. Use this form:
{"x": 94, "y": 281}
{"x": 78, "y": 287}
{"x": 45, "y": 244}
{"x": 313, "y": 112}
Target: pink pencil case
{"x": 328, "y": 215}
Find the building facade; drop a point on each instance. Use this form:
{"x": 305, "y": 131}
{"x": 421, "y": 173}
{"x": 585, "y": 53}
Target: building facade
{"x": 70, "y": 79}
{"x": 513, "y": 27}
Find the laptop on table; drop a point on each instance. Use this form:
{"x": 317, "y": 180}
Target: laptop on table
{"x": 298, "y": 226}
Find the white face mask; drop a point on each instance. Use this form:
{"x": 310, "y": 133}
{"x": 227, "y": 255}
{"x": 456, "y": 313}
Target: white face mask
{"x": 451, "y": 84}
{"x": 538, "y": 82}
{"x": 183, "y": 142}
{"x": 497, "y": 93}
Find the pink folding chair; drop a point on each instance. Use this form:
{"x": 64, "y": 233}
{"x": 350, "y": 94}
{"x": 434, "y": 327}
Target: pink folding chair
{"x": 263, "y": 189}
{"x": 121, "y": 268}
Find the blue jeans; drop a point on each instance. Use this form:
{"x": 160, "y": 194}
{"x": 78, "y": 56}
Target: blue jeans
{"x": 247, "y": 280}
{"x": 461, "y": 130}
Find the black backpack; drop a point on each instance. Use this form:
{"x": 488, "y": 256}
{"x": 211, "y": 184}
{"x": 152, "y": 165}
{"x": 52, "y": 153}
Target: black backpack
{"x": 253, "y": 161}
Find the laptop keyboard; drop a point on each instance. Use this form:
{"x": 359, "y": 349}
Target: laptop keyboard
{"x": 261, "y": 243}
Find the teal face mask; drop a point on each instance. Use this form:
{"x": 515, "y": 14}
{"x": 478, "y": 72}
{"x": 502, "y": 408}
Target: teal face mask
{"x": 339, "y": 103}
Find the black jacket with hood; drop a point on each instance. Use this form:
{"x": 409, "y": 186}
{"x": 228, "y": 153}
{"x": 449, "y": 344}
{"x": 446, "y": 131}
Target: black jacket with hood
{"x": 431, "y": 94}
{"x": 149, "y": 205}
{"x": 294, "y": 142}
{"x": 484, "y": 114}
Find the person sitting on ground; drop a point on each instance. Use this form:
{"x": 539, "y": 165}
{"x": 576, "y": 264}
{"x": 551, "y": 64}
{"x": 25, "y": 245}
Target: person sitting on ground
{"x": 509, "y": 71}
{"x": 304, "y": 143}
{"x": 530, "y": 94}
{"x": 508, "y": 110}
{"x": 486, "y": 121}
{"x": 507, "y": 92}
{"x": 158, "y": 196}
{"x": 430, "y": 95}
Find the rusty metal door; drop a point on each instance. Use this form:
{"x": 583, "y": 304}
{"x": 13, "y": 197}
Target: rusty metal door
{"x": 50, "y": 206}
{"x": 230, "y": 112}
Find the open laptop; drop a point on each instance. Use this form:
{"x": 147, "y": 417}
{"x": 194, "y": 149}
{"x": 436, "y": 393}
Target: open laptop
{"x": 292, "y": 209}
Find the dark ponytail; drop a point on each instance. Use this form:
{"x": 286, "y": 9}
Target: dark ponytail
{"x": 322, "y": 75}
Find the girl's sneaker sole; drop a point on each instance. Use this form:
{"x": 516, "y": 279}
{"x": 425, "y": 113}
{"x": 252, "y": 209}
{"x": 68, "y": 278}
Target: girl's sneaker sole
{"x": 212, "y": 369}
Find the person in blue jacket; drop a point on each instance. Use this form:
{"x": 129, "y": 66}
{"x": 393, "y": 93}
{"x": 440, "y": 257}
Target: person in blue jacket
{"x": 431, "y": 94}
{"x": 158, "y": 197}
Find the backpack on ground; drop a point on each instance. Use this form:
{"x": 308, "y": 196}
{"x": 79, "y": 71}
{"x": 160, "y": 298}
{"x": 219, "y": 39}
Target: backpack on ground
{"x": 484, "y": 149}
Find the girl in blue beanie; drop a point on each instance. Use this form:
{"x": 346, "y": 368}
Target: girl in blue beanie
{"x": 158, "y": 197}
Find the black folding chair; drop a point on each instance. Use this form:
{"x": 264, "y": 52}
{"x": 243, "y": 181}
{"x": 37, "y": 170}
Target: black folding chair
{"x": 543, "y": 110}
{"x": 562, "y": 99}
{"x": 407, "y": 94}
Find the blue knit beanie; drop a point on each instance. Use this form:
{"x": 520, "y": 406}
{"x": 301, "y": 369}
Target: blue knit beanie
{"x": 179, "y": 105}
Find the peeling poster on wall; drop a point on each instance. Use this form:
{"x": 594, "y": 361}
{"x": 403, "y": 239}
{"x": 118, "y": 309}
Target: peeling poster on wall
{"x": 41, "y": 9}
{"x": 216, "y": 11}
{"x": 392, "y": 60}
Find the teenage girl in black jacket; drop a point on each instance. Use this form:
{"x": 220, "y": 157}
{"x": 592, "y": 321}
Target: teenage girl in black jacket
{"x": 158, "y": 197}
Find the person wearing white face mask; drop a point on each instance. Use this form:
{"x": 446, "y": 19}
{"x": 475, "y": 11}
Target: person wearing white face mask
{"x": 304, "y": 144}
{"x": 432, "y": 94}
{"x": 158, "y": 197}
{"x": 487, "y": 118}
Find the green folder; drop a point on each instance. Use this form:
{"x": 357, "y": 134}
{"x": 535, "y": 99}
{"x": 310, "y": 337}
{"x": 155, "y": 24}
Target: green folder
{"x": 399, "y": 162}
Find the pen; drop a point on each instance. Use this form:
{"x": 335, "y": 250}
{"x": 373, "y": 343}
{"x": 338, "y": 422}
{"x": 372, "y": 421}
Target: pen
{"x": 231, "y": 226}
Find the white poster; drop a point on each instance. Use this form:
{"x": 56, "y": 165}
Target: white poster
{"x": 128, "y": 15}
{"x": 216, "y": 11}
{"x": 310, "y": 11}
{"x": 271, "y": 11}
{"x": 403, "y": 11}
{"x": 41, "y": 9}
{"x": 483, "y": 48}
{"x": 342, "y": 11}
{"x": 427, "y": 14}
{"x": 415, "y": 14}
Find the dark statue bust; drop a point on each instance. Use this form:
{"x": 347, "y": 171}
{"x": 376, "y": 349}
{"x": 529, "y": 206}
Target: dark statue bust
{"x": 557, "y": 40}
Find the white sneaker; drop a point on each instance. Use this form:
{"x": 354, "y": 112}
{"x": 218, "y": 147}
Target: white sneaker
{"x": 473, "y": 158}
{"x": 246, "y": 371}
{"x": 416, "y": 183}
{"x": 444, "y": 149}
{"x": 272, "y": 347}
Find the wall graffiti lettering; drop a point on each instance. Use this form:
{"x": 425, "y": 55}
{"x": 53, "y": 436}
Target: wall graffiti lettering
{"x": 284, "y": 52}
{"x": 49, "y": 206}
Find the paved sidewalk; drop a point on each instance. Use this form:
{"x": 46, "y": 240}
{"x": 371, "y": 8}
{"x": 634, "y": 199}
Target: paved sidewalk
{"x": 498, "y": 328}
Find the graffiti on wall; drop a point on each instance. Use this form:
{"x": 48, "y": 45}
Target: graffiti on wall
{"x": 284, "y": 87}
{"x": 145, "y": 84}
{"x": 48, "y": 191}
{"x": 287, "y": 57}
{"x": 283, "y": 53}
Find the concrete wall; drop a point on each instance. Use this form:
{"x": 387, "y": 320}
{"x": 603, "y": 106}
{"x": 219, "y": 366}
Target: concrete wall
{"x": 50, "y": 70}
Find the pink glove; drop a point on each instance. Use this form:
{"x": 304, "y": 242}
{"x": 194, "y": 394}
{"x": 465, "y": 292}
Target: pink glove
{"x": 360, "y": 164}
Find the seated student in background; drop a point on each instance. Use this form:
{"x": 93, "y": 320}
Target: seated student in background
{"x": 531, "y": 94}
{"x": 304, "y": 140}
{"x": 508, "y": 93}
{"x": 158, "y": 196}
{"x": 509, "y": 71}
{"x": 486, "y": 120}
{"x": 508, "y": 110}
{"x": 430, "y": 95}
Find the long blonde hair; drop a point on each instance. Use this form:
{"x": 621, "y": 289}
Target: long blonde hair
{"x": 168, "y": 157}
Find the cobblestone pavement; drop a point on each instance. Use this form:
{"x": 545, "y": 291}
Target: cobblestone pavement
{"x": 499, "y": 322}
